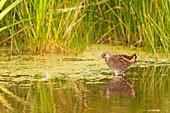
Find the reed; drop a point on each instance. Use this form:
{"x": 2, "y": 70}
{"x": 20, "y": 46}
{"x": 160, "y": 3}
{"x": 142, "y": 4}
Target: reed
{"x": 43, "y": 26}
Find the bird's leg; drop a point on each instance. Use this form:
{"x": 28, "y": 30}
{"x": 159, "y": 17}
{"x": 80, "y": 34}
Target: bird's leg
{"x": 116, "y": 74}
{"x": 124, "y": 75}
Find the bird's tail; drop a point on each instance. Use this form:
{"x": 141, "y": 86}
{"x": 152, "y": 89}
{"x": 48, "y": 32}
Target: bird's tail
{"x": 134, "y": 57}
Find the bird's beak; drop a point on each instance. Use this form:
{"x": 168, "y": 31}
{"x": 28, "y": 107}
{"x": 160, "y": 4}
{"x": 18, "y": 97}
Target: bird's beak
{"x": 101, "y": 57}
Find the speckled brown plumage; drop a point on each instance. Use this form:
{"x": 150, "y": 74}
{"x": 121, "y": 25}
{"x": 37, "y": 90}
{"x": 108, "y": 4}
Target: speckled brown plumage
{"x": 120, "y": 64}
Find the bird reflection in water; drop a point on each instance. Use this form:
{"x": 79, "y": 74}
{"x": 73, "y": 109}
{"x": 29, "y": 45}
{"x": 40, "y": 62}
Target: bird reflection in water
{"x": 119, "y": 86}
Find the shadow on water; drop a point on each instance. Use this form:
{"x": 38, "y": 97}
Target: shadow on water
{"x": 86, "y": 88}
{"x": 121, "y": 87}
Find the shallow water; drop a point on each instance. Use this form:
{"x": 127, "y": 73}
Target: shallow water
{"x": 81, "y": 84}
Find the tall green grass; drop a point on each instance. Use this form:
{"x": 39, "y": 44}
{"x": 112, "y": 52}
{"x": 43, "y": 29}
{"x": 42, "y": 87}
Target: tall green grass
{"x": 43, "y": 26}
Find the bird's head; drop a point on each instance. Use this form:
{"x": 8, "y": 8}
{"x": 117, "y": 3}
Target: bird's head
{"x": 105, "y": 55}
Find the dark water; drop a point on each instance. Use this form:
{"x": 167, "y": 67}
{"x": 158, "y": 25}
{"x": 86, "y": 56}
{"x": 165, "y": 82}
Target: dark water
{"x": 75, "y": 85}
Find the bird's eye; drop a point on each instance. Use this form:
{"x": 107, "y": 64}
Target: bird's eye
{"x": 104, "y": 55}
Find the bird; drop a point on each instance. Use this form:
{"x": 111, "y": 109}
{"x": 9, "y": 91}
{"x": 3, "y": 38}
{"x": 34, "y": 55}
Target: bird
{"x": 119, "y": 63}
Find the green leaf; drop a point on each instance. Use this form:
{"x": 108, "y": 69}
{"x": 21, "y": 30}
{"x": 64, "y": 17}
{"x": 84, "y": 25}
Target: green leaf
{"x": 2, "y": 2}
{"x": 3, "y": 13}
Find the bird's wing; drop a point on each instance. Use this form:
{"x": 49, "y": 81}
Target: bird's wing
{"x": 131, "y": 58}
{"x": 118, "y": 61}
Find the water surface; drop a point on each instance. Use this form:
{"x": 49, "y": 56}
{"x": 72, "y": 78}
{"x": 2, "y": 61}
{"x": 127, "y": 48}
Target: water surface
{"x": 76, "y": 84}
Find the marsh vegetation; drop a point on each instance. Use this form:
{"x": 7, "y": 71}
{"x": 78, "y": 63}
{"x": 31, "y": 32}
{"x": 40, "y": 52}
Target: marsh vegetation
{"x": 49, "y": 26}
